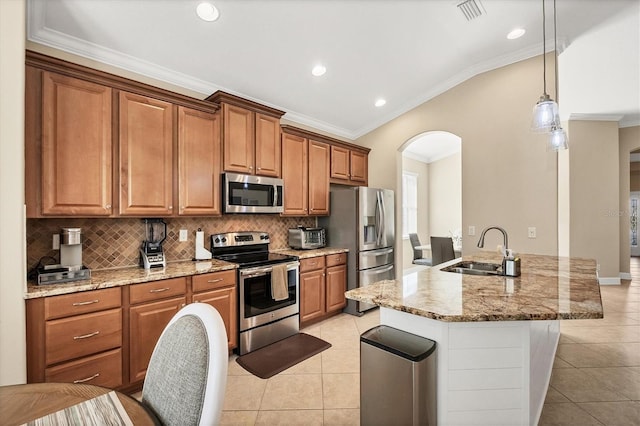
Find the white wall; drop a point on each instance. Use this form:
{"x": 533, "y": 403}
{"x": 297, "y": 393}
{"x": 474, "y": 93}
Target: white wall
{"x": 12, "y": 226}
{"x": 445, "y": 195}
{"x": 422, "y": 170}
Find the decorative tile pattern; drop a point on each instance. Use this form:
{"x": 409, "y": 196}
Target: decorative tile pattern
{"x": 114, "y": 243}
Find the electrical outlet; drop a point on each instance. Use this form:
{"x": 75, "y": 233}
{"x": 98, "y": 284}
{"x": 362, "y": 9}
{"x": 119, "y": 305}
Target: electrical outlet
{"x": 472, "y": 230}
{"x": 532, "y": 232}
{"x": 183, "y": 235}
{"x": 56, "y": 242}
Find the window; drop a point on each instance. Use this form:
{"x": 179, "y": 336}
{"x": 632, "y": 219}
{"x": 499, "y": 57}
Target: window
{"x": 409, "y": 203}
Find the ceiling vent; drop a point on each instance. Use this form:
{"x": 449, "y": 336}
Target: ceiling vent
{"x": 471, "y": 9}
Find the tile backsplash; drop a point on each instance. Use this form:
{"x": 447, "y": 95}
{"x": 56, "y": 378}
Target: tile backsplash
{"x": 114, "y": 243}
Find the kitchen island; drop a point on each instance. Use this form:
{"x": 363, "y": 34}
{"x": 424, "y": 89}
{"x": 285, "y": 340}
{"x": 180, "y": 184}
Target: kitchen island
{"x": 496, "y": 336}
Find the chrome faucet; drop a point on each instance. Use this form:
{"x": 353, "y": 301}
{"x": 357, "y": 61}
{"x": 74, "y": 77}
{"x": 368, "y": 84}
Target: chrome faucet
{"x": 504, "y": 234}
{"x": 510, "y": 265}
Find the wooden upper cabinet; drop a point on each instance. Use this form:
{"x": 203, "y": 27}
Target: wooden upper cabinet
{"x": 295, "y": 175}
{"x": 359, "y": 163}
{"x": 267, "y": 148}
{"x": 319, "y": 159}
{"x": 250, "y": 136}
{"x": 146, "y": 155}
{"x": 76, "y": 147}
{"x": 239, "y": 139}
{"x": 339, "y": 163}
{"x": 198, "y": 162}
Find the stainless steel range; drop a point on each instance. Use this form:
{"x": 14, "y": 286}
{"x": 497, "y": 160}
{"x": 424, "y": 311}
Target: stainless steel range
{"x": 268, "y": 288}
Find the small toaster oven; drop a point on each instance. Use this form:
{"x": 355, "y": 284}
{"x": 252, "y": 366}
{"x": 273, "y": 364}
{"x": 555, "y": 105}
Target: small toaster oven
{"x": 307, "y": 238}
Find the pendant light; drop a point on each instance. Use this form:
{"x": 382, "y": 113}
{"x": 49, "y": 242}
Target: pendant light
{"x": 545, "y": 112}
{"x": 558, "y": 139}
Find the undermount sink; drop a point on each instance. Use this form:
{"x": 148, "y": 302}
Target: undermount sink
{"x": 474, "y": 268}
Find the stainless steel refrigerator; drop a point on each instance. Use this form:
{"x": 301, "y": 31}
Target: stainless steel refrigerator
{"x": 362, "y": 220}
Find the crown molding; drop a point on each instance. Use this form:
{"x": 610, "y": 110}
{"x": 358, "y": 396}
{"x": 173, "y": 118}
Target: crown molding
{"x": 595, "y": 117}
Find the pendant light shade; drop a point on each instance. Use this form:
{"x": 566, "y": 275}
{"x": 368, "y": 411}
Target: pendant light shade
{"x": 545, "y": 115}
{"x": 558, "y": 139}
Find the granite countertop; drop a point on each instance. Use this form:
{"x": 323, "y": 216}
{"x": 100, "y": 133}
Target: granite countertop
{"x": 106, "y": 278}
{"x": 305, "y": 254}
{"x": 549, "y": 288}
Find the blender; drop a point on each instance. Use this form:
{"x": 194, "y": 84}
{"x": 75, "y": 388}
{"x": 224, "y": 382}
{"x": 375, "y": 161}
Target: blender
{"x": 151, "y": 253}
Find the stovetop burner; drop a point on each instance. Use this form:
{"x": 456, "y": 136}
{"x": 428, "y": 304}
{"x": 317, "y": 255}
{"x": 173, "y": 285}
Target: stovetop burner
{"x": 247, "y": 249}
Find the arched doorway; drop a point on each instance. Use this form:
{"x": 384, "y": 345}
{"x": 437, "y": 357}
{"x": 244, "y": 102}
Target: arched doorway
{"x": 431, "y": 194}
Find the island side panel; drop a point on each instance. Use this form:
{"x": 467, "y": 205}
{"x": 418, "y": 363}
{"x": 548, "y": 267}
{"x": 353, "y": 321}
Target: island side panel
{"x": 485, "y": 369}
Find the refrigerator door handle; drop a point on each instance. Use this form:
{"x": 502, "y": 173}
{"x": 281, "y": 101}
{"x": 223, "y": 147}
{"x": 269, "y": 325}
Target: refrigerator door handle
{"x": 377, "y": 270}
{"x": 379, "y": 219}
{"x": 383, "y": 211}
{"x": 376, "y": 252}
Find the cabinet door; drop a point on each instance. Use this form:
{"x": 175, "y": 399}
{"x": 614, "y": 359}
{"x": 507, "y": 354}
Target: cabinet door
{"x": 238, "y": 139}
{"x": 225, "y": 301}
{"x": 295, "y": 175}
{"x": 319, "y": 158}
{"x": 267, "y": 145}
{"x": 76, "y": 147}
{"x": 336, "y": 286}
{"x": 146, "y": 155}
{"x": 198, "y": 162}
{"x": 339, "y": 162}
{"x": 312, "y": 295}
{"x": 146, "y": 323}
{"x": 359, "y": 172}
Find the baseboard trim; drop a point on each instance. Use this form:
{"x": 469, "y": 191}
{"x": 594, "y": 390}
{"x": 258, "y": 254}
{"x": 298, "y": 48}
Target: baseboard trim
{"x": 625, "y": 276}
{"x": 609, "y": 280}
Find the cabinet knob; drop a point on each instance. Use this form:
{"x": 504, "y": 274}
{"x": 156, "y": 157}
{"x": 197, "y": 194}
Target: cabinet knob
{"x": 107, "y": 207}
{"x": 250, "y": 167}
{"x": 170, "y": 207}
{"x": 259, "y": 168}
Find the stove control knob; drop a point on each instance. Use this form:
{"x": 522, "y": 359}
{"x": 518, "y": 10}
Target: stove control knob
{"x": 264, "y": 237}
{"x": 217, "y": 240}
{"x": 224, "y": 239}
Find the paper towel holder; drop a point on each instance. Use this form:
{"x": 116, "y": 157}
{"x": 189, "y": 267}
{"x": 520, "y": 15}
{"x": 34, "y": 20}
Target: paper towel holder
{"x": 201, "y": 252}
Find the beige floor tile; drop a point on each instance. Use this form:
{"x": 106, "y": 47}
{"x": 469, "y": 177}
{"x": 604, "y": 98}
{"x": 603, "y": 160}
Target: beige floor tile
{"x": 624, "y": 380}
{"x": 584, "y": 355}
{"x": 244, "y": 393}
{"x": 614, "y": 319}
{"x": 622, "y": 354}
{"x": 340, "y": 361}
{"x": 293, "y": 391}
{"x": 238, "y": 418}
{"x": 235, "y": 369}
{"x": 554, "y": 396}
{"x": 566, "y": 414}
{"x": 578, "y": 386}
{"x": 603, "y": 334}
{"x": 343, "y": 342}
{"x": 558, "y": 363}
{"x": 343, "y": 417}
{"x": 341, "y": 390}
{"x": 369, "y": 320}
{"x": 312, "y": 330}
{"x": 290, "y": 417}
{"x": 564, "y": 339}
{"x": 614, "y": 413}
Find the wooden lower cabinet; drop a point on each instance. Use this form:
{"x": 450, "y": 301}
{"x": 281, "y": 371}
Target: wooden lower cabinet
{"x": 225, "y": 300}
{"x": 323, "y": 281}
{"x": 146, "y": 323}
{"x": 104, "y": 369}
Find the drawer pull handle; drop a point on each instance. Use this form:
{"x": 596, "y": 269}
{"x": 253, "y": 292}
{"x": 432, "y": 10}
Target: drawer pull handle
{"x": 159, "y": 290}
{"x": 89, "y": 302}
{"x": 214, "y": 281}
{"x": 87, "y": 379}
{"x": 86, "y": 336}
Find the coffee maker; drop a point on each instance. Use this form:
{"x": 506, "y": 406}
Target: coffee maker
{"x": 70, "y": 267}
{"x": 151, "y": 253}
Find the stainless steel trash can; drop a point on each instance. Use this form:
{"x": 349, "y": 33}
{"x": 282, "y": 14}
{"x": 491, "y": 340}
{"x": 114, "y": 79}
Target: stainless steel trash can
{"x": 397, "y": 378}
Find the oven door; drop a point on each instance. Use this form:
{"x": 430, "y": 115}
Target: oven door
{"x": 257, "y": 307}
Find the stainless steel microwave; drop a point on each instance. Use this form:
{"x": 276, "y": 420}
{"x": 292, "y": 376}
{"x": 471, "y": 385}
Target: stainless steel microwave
{"x": 251, "y": 194}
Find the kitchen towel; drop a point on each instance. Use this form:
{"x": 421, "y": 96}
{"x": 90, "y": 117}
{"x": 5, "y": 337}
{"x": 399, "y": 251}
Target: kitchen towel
{"x": 279, "y": 284}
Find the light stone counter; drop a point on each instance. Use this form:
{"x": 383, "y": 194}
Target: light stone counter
{"x": 133, "y": 275}
{"x": 305, "y": 254}
{"x": 549, "y": 288}
{"x": 496, "y": 336}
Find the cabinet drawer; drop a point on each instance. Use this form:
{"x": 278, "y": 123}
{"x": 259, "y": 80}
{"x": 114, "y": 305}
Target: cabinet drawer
{"x": 81, "y": 303}
{"x": 157, "y": 290}
{"x": 336, "y": 259}
{"x": 311, "y": 263}
{"x": 81, "y": 335}
{"x": 214, "y": 280}
{"x": 104, "y": 369}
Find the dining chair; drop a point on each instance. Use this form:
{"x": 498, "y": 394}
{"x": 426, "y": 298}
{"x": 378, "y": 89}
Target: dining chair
{"x": 442, "y": 250}
{"x": 187, "y": 374}
{"x": 417, "y": 253}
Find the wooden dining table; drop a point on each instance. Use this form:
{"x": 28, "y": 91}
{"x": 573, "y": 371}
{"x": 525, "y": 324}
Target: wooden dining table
{"x": 21, "y": 404}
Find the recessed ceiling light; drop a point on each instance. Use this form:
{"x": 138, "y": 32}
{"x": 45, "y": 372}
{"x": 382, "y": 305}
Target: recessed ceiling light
{"x": 516, "y": 33}
{"x": 319, "y": 70}
{"x": 207, "y": 12}
{"x": 380, "y": 102}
